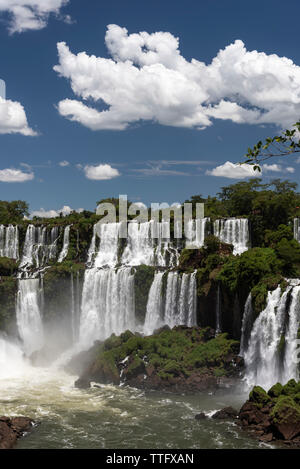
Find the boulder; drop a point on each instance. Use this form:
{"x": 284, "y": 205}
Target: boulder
{"x": 13, "y": 428}
{"x": 226, "y": 413}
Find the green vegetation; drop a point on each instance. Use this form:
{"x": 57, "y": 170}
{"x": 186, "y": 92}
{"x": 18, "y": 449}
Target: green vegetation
{"x": 177, "y": 352}
{"x": 8, "y": 294}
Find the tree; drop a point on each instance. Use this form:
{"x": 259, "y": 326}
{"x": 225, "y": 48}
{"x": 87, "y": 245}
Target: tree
{"x": 13, "y": 212}
{"x": 281, "y": 145}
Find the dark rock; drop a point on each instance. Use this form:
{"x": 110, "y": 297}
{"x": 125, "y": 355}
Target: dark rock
{"x": 200, "y": 416}
{"x": 267, "y": 438}
{"x": 82, "y": 383}
{"x": 226, "y": 413}
{"x": 13, "y": 428}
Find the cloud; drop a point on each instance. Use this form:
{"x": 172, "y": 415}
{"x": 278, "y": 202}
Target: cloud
{"x": 277, "y": 168}
{"x": 15, "y": 175}
{"x": 290, "y": 169}
{"x": 64, "y": 163}
{"x": 272, "y": 167}
{"x": 27, "y": 15}
{"x": 237, "y": 171}
{"x": 147, "y": 79}
{"x": 233, "y": 171}
{"x": 65, "y": 210}
{"x": 101, "y": 172}
{"x": 13, "y": 118}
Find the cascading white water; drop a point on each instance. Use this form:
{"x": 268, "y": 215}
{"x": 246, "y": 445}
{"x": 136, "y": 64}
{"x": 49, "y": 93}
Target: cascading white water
{"x": 297, "y": 229}
{"x": 233, "y": 231}
{"x": 29, "y": 319}
{"x": 153, "y": 318}
{"x": 38, "y": 246}
{"x": 196, "y": 232}
{"x": 9, "y": 241}
{"x": 107, "y": 304}
{"x": 269, "y": 356}
{"x": 106, "y": 235}
{"x": 180, "y": 306}
{"x": 149, "y": 243}
{"x": 64, "y": 252}
{"x": 246, "y": 325}
{"x": 12, "y": 361}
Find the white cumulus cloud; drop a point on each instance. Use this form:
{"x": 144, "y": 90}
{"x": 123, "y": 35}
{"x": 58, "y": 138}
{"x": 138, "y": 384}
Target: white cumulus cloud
{"x": 31, "y": 14}
{"x": 101, "y": 172}
{"x": 241, "y": 171}
{"x": 147, "y": 79}
{"x": 15, "y": 175}
{"x": 65, "y": 210}
{"x": 233, "y": 171}
{"x": 13, "y": 118}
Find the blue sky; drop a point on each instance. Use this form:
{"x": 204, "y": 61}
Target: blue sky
{"x": 163, "y": 158}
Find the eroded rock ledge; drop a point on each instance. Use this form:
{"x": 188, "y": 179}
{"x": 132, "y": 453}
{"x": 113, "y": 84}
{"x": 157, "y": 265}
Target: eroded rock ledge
{"x": 179, "y": 360}
{"x": 13, "y": 428}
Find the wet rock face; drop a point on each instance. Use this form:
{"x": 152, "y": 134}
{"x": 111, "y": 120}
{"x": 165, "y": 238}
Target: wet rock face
{"x": 274, "y": 415}
{"x": 13, "y": 428}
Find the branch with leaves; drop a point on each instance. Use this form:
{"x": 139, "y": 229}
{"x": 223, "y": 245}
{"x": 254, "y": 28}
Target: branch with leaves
{"x": 281, "y": 145}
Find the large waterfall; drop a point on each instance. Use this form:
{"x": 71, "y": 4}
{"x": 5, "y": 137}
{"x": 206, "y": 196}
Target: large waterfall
{"x": 196, "y": 232}
{"x": 29, "y": 316}
{"x": 9, "y": 241}
{"x": 153, "y": 318}
{"x": 233, "y": 231}
{"x": 271, "y": 353}
{"x": 64, "y": 252}
{"x": 104, "y": 246}
{"x": 149, "y": 243}
{"x": 179, "y": 305}
{"x": 39, "y": 246}
{"x": 107, "y": 303}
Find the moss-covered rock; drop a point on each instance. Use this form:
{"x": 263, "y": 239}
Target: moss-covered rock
{"x": 275, "y": 390}
{"x": 180, "y": 359}
{"x": 274, "y": 415}
{"x": 259, "y": 396}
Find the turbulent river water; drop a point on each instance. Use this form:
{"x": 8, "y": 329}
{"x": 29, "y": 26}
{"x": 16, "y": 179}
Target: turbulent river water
{"x": 116, "y": 417}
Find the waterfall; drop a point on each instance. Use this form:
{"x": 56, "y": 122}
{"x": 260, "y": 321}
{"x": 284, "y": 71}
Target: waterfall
{"x": 29, "y": 319}
{"x": 246, "y": 325}
{"x": 149, "y": 243}
{"x": 9, "y": 241}
{"x": 11, "y": 359}
{"x": 180, "y": 305}
{"x": 233, "y": 231}
{"x": 218, "y": 310}
{"x": 106, "y": 235}
{"x": 107, "y": 304}
{"x": 297, "y": 229}
{"x": 153, "y": 319}
{"x": 39, "y": 247}
{"x": 64, "y": 252}
{"x": 196, "y": 232}
{"x": 269, "y": 356}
